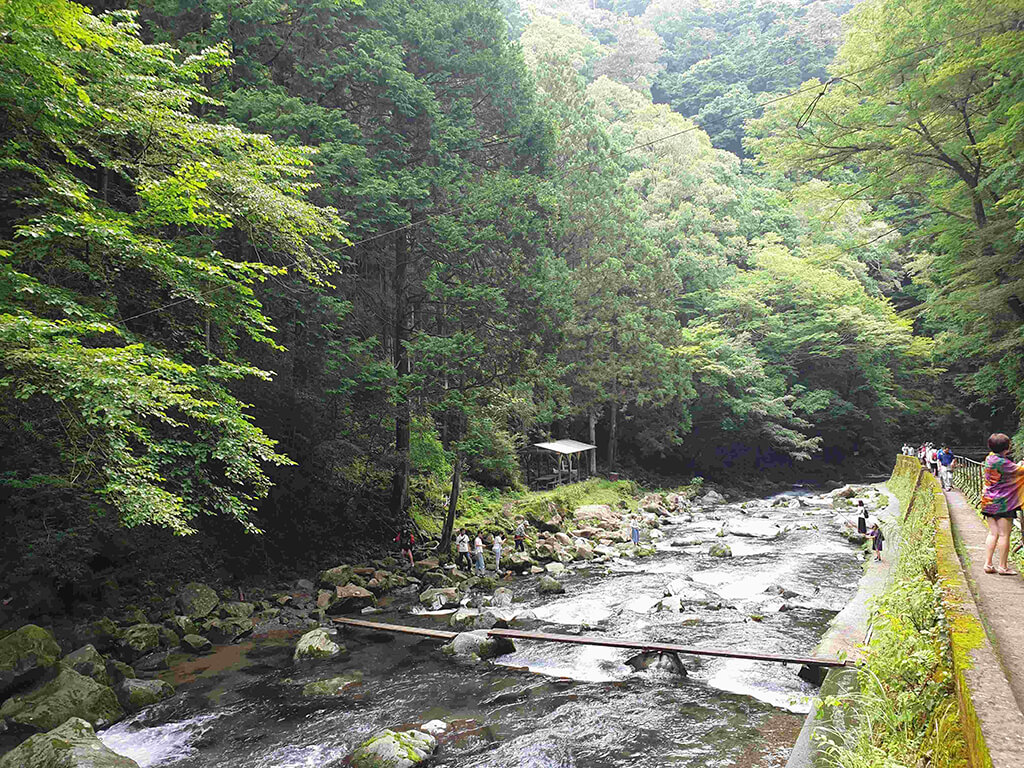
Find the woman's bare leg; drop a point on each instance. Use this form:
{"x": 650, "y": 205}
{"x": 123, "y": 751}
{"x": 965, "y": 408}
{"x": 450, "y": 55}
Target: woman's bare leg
{"x": 991, "y": 540}
{"x": 1005, "y": 524}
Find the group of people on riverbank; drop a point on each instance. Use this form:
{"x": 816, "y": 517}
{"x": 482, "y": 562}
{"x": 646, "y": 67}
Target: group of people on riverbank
{"x": 471, "y": 548}
{"x": 940, "y": 462}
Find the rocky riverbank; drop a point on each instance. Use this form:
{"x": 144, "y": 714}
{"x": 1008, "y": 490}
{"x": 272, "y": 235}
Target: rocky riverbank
{"x": 116, "y": 666}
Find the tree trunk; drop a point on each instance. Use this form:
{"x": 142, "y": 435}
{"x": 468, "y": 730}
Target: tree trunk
{"x": 613, "y": 437}
{"x": 403, "y": 414}
{"x": 453, "y": 503}
{"x": 592, "y": 423}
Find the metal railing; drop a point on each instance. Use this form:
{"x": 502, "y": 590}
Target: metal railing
{"x": 968, "y": 477}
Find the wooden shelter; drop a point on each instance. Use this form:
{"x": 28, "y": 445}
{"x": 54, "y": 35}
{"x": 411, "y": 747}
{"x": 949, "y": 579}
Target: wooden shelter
{"x": 549, "y": 465}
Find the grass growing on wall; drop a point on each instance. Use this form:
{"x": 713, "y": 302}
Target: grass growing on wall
{"x": 906, "y": 706}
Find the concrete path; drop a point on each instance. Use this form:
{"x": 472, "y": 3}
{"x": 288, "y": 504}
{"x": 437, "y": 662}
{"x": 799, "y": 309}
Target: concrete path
{"x": 1000, "y": 599}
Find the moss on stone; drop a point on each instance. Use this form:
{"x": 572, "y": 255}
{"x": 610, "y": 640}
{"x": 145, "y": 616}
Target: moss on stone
{"x": 67, "y": 695}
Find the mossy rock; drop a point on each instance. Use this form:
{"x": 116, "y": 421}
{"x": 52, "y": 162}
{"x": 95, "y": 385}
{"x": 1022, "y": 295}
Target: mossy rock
{"x": 73, "y": 744}
{"x": 315, "y": 645}
{"x": 182, "y": 625}
{"x": 549, "y": 586}
{"x": 390, "y": 749}
{"x": 118, "y": 670}
{"x": 718, "y": 549}
{"x": 237, "y": 610}
{"x": 67, "y": 695}
{"x": 332, "y": 686}
{"x": 102, "y": 634}
{"x": 197, "y": 600}
{"x": 26, "y": 655}
{"x": 477, "y": 645}
{"x": 196, "y": 643}
{"x": 224, "y": 631}
{"x": 88, "y": 661}
{"x": 135, "y": 694}
{"x": 338, "y": 576}
{"x": 140, "y": 639}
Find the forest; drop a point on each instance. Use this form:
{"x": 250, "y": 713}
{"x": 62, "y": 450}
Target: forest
{"x": 287, "y": 274}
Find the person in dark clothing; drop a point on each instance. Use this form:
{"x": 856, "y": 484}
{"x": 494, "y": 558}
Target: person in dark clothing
{"x": 876, "y": 541}
{"x": 405, "y": 541}
{"x": 862, "y": 518}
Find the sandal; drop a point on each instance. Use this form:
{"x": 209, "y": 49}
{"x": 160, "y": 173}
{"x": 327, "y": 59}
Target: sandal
{"x": 990, "y": 569}
{"x": 1006, "y": 572}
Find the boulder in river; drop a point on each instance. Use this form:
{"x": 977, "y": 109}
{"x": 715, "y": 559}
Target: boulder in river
{"x": 237, "y": 610}
{"x": 437, "y": 598}
{"x": 136, "y": 694}
{"x": 502, "y": 598}
{"x": 463, "y": 618}
{"x": 197, "y": 600}
{"x": 73, "y": 744}
{"x": 338, "y": 576}
{"x": 26, "y": 655}
{"x": 665, "y": 662}
{"x": 332, "y": 686}
{"x": 67, "y": 695}
{"x": 316, "y": 644}
{"x": 753, "y": 527}
{"x": 478, "y": 646}
{"x": 519, "y": 561}
{"x": 224, "y": 631}
{"x": 549, "y": 586}
{"x": 351, "y": 599}
{"x": 554, "y": 568}
{"x": 391, "y": 749}
{"x": 718, "y": 549}
{"x": 711, "y": 498}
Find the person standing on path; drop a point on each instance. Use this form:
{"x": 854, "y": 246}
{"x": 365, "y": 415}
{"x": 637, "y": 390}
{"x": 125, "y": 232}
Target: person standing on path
{"x": 876, "y": 541}
{"x": 862, "y": 517}
{"x": 634, "y": 530}
{"x": 933, "y": 460}
{"x": 946, "y": 463}
{"x": 1000, "y": 501}
{"x": 478, "y": 550}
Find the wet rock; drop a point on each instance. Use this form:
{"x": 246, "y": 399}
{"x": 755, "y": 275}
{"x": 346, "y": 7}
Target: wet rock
{"x": 438, "y": 598}
{"x": 88, "y": 661}
{"x": 332, "y": 686}
{"x": 478, "y": 646}
{"x": 315, "y": 645}
{"x": 554, "y": 568}
{"x": 138, "y": 640}
{"x": 535, "y": 569}
{"x": 153, "y": 662}
{"x": 423, "y": 566}
{"x": 197, "y": 600}
{"x": 67, "y": 695}
{"x": 502, "y": 598}
{"x": 719, "y": 549}
{"x": 389, "y": 749}
{"x": 72, "y": 744}
{"x": 196, "y": 643}
{"x": 549, "y": 586}
{"x": 135, "y": 694}
{"x": 351, "y": 599}
{"x": 687, "y": 542}
{"x": 756, "y": 528}
{"x": 463, "y": 618}
{"x": 324, "y": 598}
{"x": 26, "y": 655}
{"x": 664, "y": 662}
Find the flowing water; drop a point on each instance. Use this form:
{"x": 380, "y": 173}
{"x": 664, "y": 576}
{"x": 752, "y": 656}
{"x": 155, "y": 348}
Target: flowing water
{"x": 546, "y": 704}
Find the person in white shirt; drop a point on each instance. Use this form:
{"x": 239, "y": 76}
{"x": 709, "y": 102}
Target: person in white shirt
{"x": 462, "y": 543}
{"x": 496, "y": 547}
{"x": 478, "y": 549}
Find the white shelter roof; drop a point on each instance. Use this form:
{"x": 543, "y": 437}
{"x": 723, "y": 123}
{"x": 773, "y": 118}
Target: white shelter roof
{"x": 566, "y": 446}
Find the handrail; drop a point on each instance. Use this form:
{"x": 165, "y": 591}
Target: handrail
{"x": 968, "y": 476}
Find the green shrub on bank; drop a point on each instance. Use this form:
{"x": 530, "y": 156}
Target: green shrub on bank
{"x": 906, "y": 711}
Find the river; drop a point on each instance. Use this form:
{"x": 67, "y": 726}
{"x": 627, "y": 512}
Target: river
{"x": 546, "y": 704}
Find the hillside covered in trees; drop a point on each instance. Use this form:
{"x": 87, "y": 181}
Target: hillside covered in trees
{"x": 301, "y": 267}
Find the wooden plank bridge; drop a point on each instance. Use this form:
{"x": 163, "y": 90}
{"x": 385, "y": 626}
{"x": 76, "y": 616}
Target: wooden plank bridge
{"x": 642, "y": 646}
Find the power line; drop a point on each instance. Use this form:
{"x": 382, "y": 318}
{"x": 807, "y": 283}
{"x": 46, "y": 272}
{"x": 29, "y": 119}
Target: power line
{"x": 644, "y": 145}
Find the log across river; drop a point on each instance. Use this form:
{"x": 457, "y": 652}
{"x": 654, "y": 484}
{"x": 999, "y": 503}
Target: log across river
{"x": 570, "y": 703}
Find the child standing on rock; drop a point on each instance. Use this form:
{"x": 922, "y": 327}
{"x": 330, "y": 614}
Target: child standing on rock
{"x": 877, "y": 537}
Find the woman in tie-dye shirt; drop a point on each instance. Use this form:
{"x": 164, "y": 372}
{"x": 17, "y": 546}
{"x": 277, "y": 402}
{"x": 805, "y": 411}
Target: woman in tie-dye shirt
{"x": 1000, "y": 501}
